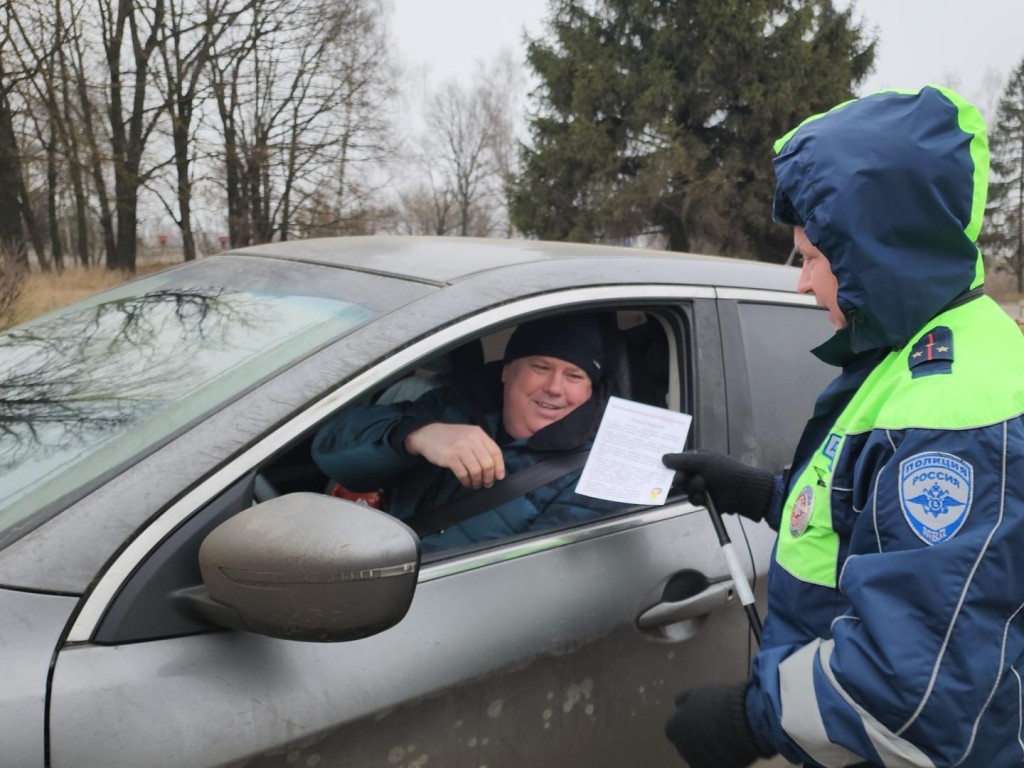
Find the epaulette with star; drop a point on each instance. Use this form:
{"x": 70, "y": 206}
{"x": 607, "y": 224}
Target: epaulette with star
{"x": 933, "y": 353}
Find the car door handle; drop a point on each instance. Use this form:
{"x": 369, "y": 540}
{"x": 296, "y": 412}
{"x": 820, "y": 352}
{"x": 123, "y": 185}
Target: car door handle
{"x": 716, "y": 596}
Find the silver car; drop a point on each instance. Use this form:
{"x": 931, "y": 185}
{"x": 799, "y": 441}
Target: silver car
{"x": 178, "y": 590}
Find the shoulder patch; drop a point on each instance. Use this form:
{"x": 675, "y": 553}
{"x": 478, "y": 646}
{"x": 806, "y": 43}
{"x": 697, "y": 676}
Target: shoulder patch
{"x": 936, "y": 491}
{"x": 933, "y": 353}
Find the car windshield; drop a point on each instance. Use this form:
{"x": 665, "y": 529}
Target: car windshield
{"x": 92, "y": 387}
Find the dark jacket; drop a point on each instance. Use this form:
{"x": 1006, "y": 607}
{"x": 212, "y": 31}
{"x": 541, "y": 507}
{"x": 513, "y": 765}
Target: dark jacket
{"x": 895, "y": 634}
{"x": 362, "y": 449}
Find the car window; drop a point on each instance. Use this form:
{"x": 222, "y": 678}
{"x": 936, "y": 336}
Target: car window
{"x": 651, "y": 339}
{"x": 92, "y": 387}
{"x": 466, "y": 383}
{"x": 785, "y": 378}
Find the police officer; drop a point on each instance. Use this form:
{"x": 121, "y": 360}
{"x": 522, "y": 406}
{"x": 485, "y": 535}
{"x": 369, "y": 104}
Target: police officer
{"x": 895, "y": 626}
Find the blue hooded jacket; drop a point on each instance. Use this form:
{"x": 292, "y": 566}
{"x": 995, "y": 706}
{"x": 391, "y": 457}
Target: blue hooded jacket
{"x": 895, "y": 630}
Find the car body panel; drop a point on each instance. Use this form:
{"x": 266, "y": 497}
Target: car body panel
{"x": 559, "y": 619}
{"x": 32, "y": 628}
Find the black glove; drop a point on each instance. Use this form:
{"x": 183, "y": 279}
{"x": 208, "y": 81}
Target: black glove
{"x": 709, "y": 728}
{"x": 734, "y": 487}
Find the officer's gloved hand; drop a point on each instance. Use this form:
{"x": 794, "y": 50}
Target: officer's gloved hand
{"x": 735, "y": 487}
{"x": 710, "y": 730}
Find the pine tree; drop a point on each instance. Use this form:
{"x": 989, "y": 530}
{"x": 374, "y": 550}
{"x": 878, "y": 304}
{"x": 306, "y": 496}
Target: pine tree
{"x": 1003, "y": 239}
{"x": 658, "y": 116}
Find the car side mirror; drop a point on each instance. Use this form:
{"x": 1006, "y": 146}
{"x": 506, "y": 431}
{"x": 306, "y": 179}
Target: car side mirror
{"x": 306, "y": 566}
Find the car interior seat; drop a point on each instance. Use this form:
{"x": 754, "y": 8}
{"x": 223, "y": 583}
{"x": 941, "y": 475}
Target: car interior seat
{"x": 617, "y": 372}
{"x": 647, "y": 349}
{"x": 457, "y": 364}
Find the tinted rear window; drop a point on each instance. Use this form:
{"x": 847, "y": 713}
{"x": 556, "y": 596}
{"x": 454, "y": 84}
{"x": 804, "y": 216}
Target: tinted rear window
{"x": 785, "y": 378}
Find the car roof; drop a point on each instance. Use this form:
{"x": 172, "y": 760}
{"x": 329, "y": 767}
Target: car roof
{"x": 447, "y": 260}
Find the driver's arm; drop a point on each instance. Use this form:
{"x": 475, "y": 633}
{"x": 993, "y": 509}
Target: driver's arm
{"x": 469, "y": 452}
{"x": 362, "y": 447}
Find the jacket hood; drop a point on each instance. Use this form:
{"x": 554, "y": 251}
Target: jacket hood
{"x": 891, "y": 188}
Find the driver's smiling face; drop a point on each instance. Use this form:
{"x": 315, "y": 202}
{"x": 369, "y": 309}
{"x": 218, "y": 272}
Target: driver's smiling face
{"x": 540, "y": 390}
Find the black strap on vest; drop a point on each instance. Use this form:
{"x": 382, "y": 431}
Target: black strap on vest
{"x": 963, "y": 298}
{"x": 525, "y": 480}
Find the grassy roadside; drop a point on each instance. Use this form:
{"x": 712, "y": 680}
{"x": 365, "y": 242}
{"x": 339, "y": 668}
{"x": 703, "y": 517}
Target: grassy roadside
{"x": 43, "y": 292}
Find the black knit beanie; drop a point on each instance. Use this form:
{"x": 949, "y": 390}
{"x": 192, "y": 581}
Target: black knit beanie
{"x": 575, "y": 339}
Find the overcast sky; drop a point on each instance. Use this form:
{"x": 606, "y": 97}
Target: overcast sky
{"x": 964, "y": 44}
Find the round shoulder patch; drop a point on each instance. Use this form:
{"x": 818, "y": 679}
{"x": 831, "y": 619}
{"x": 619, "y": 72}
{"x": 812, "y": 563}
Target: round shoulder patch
{"x": 801, "y": 514}
{"x": 936, "y": 490}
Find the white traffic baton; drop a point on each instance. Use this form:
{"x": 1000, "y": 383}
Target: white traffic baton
{"x": 739, "y": 578}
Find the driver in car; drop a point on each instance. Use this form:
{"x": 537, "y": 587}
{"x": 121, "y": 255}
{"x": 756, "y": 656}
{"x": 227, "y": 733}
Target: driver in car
{"x": 455, "y": 441}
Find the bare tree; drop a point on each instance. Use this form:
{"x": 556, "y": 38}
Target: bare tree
{"x": 427, "y": 209}
{"x": 285, "y": 102}
{"x": 460, "y": 124}
{"x": 505, "y": 84}
{"x": 131, "y": 108}
{"x": 11, "y": 183}
{"x": 15, "y": 206}
{"x": 43, "y": 35}
{"x": 192, "y": 31}
{"x": 299, "y": 90}
{"x": 98, "y": 60}
{"x": 82, "y": 99}
{"x": 467, "y": 155}
{"x": 12, "y": 279}
{"x": 363, "y": 80}
{"x": 68, "y": 118}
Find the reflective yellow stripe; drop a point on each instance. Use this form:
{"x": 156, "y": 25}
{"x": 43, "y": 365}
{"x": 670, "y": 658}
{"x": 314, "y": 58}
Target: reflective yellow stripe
{"x": 808, "y": 548}
{"x": 813, "y": 555}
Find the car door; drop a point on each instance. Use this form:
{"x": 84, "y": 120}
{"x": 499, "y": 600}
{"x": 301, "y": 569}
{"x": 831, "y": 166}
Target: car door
{"x": 773, "y": 379}
{"x": 561, "y": 648}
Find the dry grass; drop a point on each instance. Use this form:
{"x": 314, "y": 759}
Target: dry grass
{"x": 12, "y": 281}
{"x": 46, "y": 291}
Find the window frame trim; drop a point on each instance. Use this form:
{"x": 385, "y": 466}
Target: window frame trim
{"x": 765, "y": 296}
